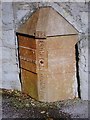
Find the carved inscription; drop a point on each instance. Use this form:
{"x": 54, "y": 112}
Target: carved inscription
{"x": 28, "y": 59}
{"x": 42, "y": 65}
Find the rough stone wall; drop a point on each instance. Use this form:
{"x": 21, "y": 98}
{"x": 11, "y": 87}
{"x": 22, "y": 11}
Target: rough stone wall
{"x": 15, "y": 14}
{"x": 89, "y": 50}
{"x": 0, "y": 47}
{"x": 10, "y": 78}
{"x": 83, "y": 66}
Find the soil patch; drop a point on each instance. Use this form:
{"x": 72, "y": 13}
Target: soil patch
{"x": 19, "y": 105}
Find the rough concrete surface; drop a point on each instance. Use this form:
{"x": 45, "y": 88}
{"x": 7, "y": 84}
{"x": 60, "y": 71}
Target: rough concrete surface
{"x": 77, "y": 110}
